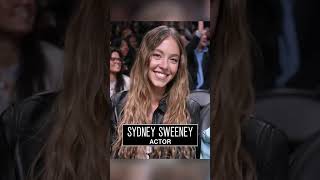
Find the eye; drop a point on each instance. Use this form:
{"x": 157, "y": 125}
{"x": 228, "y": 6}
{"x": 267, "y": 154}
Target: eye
{"x": 174, "y": 60}
{"x": 156, "y": 56}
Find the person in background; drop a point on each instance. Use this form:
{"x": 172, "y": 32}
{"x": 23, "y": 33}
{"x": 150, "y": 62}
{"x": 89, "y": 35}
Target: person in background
{"x": 133, "y": 41}
{"x": 128, "y": 54}
{"x": 27, "y": 65}
{"x": 118, "y": 81}
{"x": 199, "y": 58}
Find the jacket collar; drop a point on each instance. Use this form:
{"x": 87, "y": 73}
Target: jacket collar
{"x": 163, "y": 104}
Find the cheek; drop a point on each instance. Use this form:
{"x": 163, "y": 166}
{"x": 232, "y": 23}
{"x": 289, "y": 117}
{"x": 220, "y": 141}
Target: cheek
{"x": 152, "y": 64}
{"x": 174, "y": 69}
{"x": 112, "y": 65}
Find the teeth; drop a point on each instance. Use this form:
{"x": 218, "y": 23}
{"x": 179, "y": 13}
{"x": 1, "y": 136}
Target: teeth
{"x": 160, "y": 75}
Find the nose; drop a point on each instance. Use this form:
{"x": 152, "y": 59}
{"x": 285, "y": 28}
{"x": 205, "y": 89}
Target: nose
{"x": 164, "y": 63}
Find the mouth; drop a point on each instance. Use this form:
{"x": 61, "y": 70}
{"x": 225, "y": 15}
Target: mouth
{"x": 160, "y": 75}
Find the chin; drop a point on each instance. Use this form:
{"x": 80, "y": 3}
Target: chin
{"x": 159, "y": 84}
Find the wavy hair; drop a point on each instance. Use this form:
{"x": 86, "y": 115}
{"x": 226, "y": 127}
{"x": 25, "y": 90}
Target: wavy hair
{"x": 77, "y": 146}
{"x": 232, "y": 91}
{"x": 138, "y": 98}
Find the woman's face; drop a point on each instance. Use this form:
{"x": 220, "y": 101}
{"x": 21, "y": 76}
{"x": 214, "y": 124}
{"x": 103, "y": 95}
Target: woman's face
{"x": 124, "y": 48}
{"x": 115, "y": 62}
{"x": 164, "y": 62}
{"x": 17, "y": 16}
{"x": 133, "y": 42}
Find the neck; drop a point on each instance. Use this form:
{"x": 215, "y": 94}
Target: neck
{"x": 9, "y": 49}
{"x": 200, "y": 48}
{"x": 113, "y": 77}
{"x": 156, "y": 96}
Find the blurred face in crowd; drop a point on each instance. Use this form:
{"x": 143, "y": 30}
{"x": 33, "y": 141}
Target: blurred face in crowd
{"x": 124, "y": 48}
{"x": 204, "y": 39}
{"x": 115, "y": 62}
{"x": 133, "y": 41}
{"x": 126, "y": 32}
{"x": 164, "y": 62}
{"x": 17, "y": 16}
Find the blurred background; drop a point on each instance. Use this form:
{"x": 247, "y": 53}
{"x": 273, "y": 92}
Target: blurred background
{"x": 160, "y": 169}
{"x": 160, "y": 10}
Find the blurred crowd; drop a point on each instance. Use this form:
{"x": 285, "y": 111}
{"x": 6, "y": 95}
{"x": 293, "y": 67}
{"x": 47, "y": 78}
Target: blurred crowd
{"x": 175, "y": 10}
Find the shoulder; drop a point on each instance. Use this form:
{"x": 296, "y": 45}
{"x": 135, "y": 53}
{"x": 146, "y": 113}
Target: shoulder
{"x": 51, "y": 51}
{"x": 127, "y": 81}
{"x": 30, "y": 104}
{"x": 268, "y": 146}
{"x": 26, "y": 116}
{"x": 54, "y": 56}
{"x": 259, "y": 128}
{"x": 194, "y": 110}
{"x": 125, "y": 77}
{"x": 193, "y": 106}
{"x": 118, "y": 98}
{"x": 192, "y": 103}
{"x": 54, "y": 65}
{"x": 26, "y": 108}
{"x": 255, "y": 130}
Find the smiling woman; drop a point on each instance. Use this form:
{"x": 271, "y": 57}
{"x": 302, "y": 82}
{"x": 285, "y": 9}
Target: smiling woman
{"x": 158, "y": 94}
{"x": 118, "y": 81}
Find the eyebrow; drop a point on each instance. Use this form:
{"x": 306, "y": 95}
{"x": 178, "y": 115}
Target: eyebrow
{"x": 171, "y": 55}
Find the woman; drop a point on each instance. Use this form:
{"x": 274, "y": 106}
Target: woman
{"x": 65, "y": 135}
{"x": 128, "y": 54}
{"x": 158, "y": 94}
{"x": 243, "y": 147}
{"x": 118, "y": 81}
{"x": 25, "y": 64}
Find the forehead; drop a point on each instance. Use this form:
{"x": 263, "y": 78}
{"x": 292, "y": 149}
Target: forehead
{"x": 115, "y": 54}
{"x": 169, "y": 46}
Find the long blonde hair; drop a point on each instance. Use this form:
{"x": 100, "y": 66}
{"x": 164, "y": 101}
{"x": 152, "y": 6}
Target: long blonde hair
{"x": 138, "y": 97}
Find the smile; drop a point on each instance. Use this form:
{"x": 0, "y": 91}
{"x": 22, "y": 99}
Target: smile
{"x": 160, "y": 75}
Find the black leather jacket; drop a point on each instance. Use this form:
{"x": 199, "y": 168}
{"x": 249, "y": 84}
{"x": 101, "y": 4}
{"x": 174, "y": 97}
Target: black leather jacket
{"x": 118, "y": 102}
{"x": 269, "y": 149}
{"x": 25, "y": 127}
